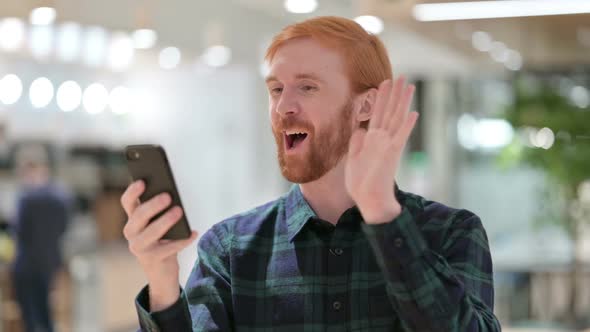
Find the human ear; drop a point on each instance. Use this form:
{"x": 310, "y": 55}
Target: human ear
{"x": 367, "y": 100}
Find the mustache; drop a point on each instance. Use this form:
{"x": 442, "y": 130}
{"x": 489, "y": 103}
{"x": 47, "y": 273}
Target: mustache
{"x": 291, "y": 123}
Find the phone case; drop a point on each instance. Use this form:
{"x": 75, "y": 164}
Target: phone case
{"x": 150, "y": 164}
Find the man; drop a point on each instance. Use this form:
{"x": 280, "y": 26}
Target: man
{"x": 345, "y": 249}
{"x": 42, "y": 214}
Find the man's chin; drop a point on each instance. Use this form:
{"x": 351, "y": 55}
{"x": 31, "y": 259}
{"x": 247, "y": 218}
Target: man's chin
{"x": 297, "y": 173}
{"x": 298, "y": 178}
{"x": 301, "y": 175}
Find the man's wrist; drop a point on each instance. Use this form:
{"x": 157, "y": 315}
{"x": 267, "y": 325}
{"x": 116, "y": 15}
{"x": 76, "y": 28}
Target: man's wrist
{"x": 382, "y": 215}
{"x": 161, "y": 299}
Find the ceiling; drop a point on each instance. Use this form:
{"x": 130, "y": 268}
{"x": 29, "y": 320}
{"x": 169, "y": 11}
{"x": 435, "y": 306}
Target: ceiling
{"x": 543, "y": 42}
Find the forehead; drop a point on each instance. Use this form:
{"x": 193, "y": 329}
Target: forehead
{"x": 307, "y": 56}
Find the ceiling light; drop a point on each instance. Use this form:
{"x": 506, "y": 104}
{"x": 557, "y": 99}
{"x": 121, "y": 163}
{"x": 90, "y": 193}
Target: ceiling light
{"x": 481, "y": 41}
{"x": 169, "y": 58}
{"x": 301, "y": 6}
{"x": 499, "y": 51}
{"x": 68, "y": 41}
{"x": 217, "y": 56}
{"x": 42, "y": 16}
{"x": 544, "y": 138}
{"x": 493, "y": 133}
{"x": 371, "y": 24}
{"x": 41, "y": 92}
{"x": 514, "y": 61}
{"x": 497, "y": 9}
{"x": 69, "y": 96}
{"x": 11, "y": 88}
{"x": 12, "y": 33}
{"x": 144, "y": 38}
{"x": 95, "y": 46}
{"x": 95, "y": 98}
{"x": 486, "y": 134}
{"x": 121, "y": 51}
{"x": 41, "y": 40}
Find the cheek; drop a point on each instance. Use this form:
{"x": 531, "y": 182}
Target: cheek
{"x": 273, "y": 116}
{"x": 271, "y": 108}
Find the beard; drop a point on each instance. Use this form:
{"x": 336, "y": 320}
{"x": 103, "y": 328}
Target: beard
{"x": 327, "y": 146}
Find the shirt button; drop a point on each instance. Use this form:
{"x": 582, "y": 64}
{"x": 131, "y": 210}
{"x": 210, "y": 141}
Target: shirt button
{"x": 336, "y": 305}
{"x": 398, "y": 242}
{"x": 337, "y": 251}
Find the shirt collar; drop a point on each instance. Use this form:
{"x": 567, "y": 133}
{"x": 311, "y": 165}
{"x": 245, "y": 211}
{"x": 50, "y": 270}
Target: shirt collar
{"x": 298, "y": 212}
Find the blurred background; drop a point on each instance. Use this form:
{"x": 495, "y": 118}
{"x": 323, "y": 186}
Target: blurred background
{"x": 503, "y": 89}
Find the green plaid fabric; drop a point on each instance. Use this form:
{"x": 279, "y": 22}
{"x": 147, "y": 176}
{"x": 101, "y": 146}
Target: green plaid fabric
{"x": 279, "y": 267}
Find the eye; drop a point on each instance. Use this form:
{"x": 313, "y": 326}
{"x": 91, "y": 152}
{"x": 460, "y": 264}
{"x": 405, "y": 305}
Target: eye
{"x": 308, "y": 88}
{"x": 275, "y": 91}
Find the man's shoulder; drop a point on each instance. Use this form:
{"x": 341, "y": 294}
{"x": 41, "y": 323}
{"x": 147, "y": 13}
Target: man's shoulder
{"x": 431, "y": 214}
{"x": 443, "y": 225}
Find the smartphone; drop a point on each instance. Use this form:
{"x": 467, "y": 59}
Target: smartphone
{"x": 150, "y": 164}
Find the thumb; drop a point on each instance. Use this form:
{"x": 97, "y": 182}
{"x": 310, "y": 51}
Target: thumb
{"x": 356, "y": 141}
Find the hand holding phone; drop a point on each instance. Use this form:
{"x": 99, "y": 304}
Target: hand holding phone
{"x": 153, "y": 212}
{"x": 149, "y": 163}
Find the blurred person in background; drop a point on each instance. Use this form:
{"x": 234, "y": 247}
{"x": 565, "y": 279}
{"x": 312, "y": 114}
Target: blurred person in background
{"x": 41, "y": 218}
{"x": 345, "y": 249}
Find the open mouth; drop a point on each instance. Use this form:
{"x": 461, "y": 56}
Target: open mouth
{"x": 294, "y": 138}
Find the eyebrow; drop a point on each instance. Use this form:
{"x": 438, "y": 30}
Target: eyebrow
{"x": 301, "y": 76}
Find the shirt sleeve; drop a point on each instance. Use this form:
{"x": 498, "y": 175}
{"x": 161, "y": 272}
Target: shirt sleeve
{"x": 205, "y": 303}
{"x": 174, "y": 318}
{"x": 208, "y": 288}
{"x": 450, "y": 289}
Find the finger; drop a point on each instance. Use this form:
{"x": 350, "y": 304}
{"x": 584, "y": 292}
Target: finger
{"x": 380, "y": 104}
{"x": 402, "y": 137}
{"x": 402, "y": 111}
{"x": 144, "y": 213}
{"x": 150, "y": 236}
{"x": 156, "y": 230}
{"x": 356, "y": 141}
{"x": 172, "y": 248}
{"x": 394, "y": 100}
{"x": 130, "y": 198}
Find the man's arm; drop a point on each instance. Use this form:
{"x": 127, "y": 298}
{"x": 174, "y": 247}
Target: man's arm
{"x": 205, "y": 304}
{"x": 447, "y": 291}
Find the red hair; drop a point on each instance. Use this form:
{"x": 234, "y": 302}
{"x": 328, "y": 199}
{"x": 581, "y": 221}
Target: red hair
{"x": 366, "y": 60}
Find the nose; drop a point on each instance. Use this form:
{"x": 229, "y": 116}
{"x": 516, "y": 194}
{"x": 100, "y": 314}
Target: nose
{"x": 287, "y": 104}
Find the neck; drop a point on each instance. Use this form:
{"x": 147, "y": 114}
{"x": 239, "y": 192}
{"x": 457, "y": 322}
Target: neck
{"x": 327, "y": 195}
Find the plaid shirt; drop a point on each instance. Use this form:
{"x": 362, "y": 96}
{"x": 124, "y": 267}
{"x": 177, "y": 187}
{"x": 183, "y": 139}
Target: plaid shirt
{"x": 279, "y": 267}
